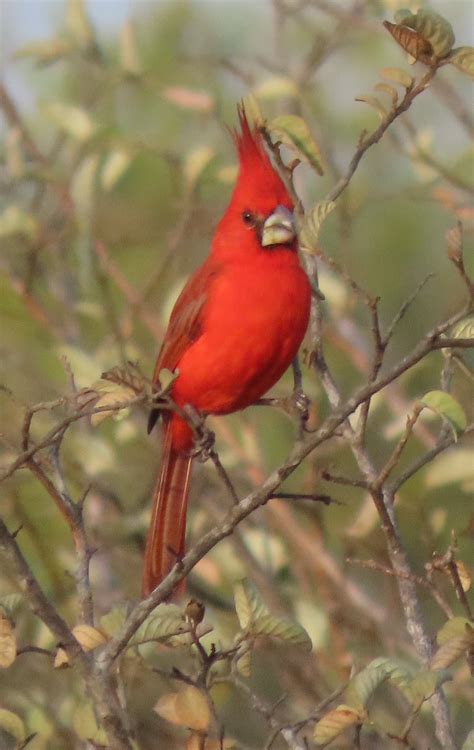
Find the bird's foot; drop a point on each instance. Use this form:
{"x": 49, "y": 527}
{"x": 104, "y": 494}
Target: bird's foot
{"x": 299, "y": 405}
{"x": 204, "y": 438}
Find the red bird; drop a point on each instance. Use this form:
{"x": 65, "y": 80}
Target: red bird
{"x": 234, "y": 330}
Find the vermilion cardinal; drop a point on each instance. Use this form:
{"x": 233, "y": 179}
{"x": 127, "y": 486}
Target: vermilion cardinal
{"x": 234, "y": 330}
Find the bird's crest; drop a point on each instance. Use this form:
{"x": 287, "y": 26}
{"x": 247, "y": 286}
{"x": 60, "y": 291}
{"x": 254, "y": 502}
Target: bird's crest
{"x": 256, "y": 167}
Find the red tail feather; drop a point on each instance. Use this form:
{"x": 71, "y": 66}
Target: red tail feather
{"x": 166, "y": 535}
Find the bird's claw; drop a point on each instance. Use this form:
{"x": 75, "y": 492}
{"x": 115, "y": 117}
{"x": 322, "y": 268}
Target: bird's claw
{"x": 203, "y": 444}
{"x": 204, "y": 439}
{"x": 298, "y": 405}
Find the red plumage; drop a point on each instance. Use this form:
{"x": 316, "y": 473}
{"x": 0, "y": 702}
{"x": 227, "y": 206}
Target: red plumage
{"x": 233, "y": 332}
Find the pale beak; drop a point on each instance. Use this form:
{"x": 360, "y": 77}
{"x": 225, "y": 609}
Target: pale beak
{"x": 279, "y": 228}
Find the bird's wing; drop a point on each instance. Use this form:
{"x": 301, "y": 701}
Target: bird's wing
{"x": 185, "y": 325}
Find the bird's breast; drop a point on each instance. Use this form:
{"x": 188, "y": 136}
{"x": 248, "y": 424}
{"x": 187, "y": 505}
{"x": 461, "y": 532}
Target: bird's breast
{"x": 255, "y": 319}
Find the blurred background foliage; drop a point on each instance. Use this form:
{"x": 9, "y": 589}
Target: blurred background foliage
{"x": 122, "y": 138}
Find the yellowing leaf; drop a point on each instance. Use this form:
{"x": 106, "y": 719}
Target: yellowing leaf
{"x": 114, "y": 167}
{"x": 74, "y": 121}
{"x": 373, "y": 102}
{"x": 89, "y": 637}
{"x": 61, "y": 659}
{"x": 166, "y": 708}
{"x": 113, "y": 395}
{"x": 14, "y": 220}
{"x": 452, "y": 628}
{"x": 195, "y": 164}
{"x": 83, "y": 188}
{"x": 189, "y": 708}
{"x": 465, "y": 577}
{"x": 468, "y": 743}
{"x": 85, "y": 725}
{"x": 293, "y": 132}
{"x": 334, "y": 723}
{"x": 195, "y": 743}
{"x": 387, "y": 89}
{"x": 455, "y": 638}
{"x": 12, "y": 724}
{"x": 447, "y": 407}
{"x": 252, "y": 110}
{"x": 275, "y": 88}
{"x": 248, "y": 604}
{"x": 78, "y": 24}
{"x": 129, "y": 58}
{"x": 433, "y": 28}
{"x": 451, "y": 651}
{"x": 7, "y": 642}
{"x": 397, "y": 75}
{"x": 46, "y": 51}
{"x": 463, "y": 59}
{"x": 411, "y": 41}
{"x": 193, "y": 708}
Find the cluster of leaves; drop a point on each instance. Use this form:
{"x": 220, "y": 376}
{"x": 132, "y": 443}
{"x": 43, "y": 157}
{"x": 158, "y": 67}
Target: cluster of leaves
{"x": 173, "y": 627}
{"x": 455, "y": 639}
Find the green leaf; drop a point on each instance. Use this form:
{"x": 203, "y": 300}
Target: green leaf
{"x": 446, "y": 407}
{"x": 397, "y": 75}
{"x": 164, "y": 622}
{"x": 363, "y": 685}
{"x": 112, "y": 621}
{"x": 313, "y": 222}
{"x": 243, "y": 661}
{"x": 468, "y": 743}
{"x": 432, "y": 27}
{"x": 463, "y": 59}
{"x": 293, "y": 132}
{"x": 12, "y": 724}
{"x": 464, "y": 329}
{"x": 10, "y": 603}
{"x": 281, "y": 629}
{"x": 424, "y": 684}
{"x": 335, "y": 722}
{"x": 248, "y": 603}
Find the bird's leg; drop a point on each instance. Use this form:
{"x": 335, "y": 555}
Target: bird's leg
{"x": 204, "y": 438}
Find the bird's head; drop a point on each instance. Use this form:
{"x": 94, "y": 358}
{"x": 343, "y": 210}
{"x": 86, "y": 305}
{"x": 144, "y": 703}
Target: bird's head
{"x": 260, "y": 214}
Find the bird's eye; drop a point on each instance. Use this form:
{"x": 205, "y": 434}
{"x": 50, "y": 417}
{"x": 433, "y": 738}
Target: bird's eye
{"x": 248, "y": 218}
